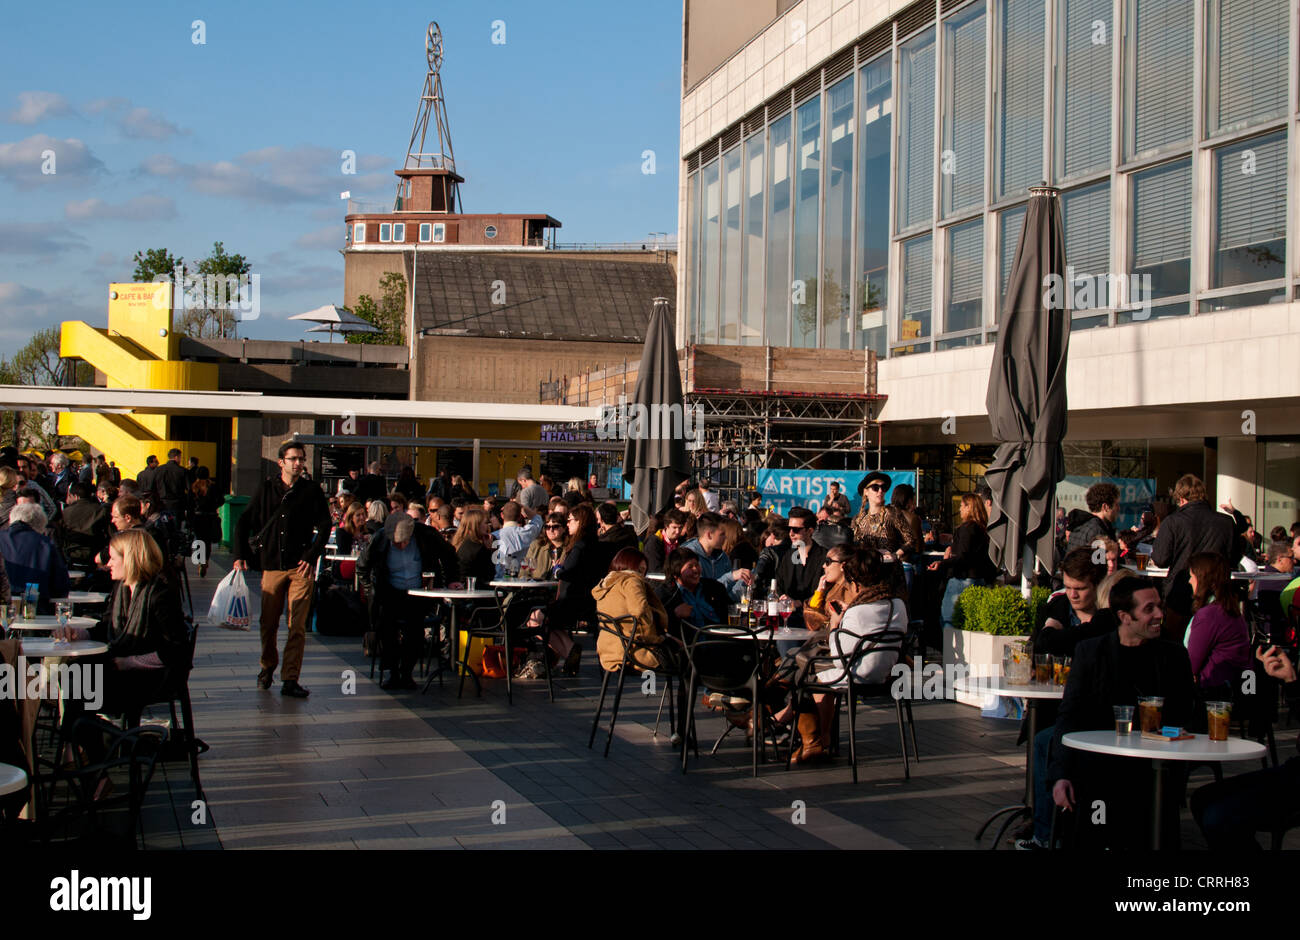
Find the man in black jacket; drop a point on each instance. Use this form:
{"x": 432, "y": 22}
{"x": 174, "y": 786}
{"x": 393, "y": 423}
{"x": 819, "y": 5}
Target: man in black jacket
{"x": 372, "y": 485}
{"x": 85, "y": 529}
{"x": 289, "y": 518}
{"x": 800, "y": 570}
{"x": 688, "y": 596}
{"x": 1193, "y": 527}
{"x": 1110, "y": 670}
{"x": 391, "y": 567}
{"x": 1103, "y": 504}
{"x": 612, "y": 533}
{"x": 170, "y": 484}
{"x": 658, "y": 548}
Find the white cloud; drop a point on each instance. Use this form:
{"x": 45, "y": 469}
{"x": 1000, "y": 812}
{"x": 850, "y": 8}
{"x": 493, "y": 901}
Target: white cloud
{"x": 22, "y": 162}
{"x": 141, "y": 123}
{"x": 271, "y": 175}
{"x": 329, "y": 237}
{"x": 35, "y": 106}
{"x": 137, "y": 209}
{"x": 24, "y": 310}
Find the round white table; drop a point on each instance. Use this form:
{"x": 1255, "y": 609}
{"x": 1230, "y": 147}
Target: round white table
{"x": 656, "y": 576}
{"x": 1032, "y": 693}
{"x": 522, "y": 584}
{"x": 766, "y": 634}
{"x": 48, "y": 623}
{"x": 1151, "y": 571}
{"x": 452, "y": 594}
{"x": 81, "y": 597}
{"x": 1198, "y": 748}
{"x": 49, "y": 648}
{"x": 12, "y": 779}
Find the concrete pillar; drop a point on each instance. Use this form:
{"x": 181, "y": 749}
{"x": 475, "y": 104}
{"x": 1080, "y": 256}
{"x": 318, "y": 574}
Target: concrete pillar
{"x": 247, "y": 454}
{"x": 1237, "y": 478}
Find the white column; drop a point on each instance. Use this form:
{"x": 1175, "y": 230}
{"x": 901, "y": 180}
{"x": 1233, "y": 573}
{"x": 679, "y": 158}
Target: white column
{"x": 1237, "y": 477}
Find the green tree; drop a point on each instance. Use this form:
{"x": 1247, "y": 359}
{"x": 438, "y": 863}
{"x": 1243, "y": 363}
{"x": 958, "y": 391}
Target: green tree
{"x": 212, "y": 317}
{"x": 388, "y": 315}
{"x": 152, "y": 262}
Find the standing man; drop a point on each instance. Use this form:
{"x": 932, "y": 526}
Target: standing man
{"x": 144, "y": 479}
{"x": 1195, "y": 526}
{"x": 372, "y": 485}
{"x": 192, "y": 472}
{"x": 531, "y": 494}
{"x": 171, "y": 485}
{"x": 1103, "y": 504}
{"x": 60, "y": 476}
{"x": 289, "y": 519}
{"x": 837, "y": 500}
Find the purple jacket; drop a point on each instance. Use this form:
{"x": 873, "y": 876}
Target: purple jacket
{"x": 1219, "y": 647}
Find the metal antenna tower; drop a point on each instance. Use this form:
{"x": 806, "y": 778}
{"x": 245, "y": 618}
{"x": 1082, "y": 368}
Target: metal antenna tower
{"x": 432, "y": 107}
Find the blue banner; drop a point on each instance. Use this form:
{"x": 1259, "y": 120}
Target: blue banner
{"x": 782, "y": 490}
{"x": 1134, "y": 494}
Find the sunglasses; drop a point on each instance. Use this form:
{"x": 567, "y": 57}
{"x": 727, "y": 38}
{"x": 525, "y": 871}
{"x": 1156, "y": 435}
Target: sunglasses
{"x": 555, "y": 527}
{"x": 832, "y": 561}
{"x": 876, "y": 486}
{"x": 796, "y": 528}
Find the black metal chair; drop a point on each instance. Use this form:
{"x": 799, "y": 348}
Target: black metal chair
{"x": 726, "y": 659}
{"x": 193, "y": 747}
{"x": 624, "y": 630}
{"x": 91, "y": 794}
{"x": 887, "y": 643}
{"x": 494, "y": 623}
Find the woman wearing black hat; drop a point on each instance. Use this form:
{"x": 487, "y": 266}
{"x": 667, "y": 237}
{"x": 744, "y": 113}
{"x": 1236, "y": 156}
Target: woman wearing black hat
{"x": 878, "y": 526}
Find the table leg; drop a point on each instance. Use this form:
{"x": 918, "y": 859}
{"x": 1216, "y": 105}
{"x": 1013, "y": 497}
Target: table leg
{"x": 1025, "y": 809}
{"x": 1157, "y": 803}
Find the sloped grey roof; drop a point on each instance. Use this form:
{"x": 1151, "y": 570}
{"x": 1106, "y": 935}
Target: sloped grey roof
{"x": 545, "y": 295}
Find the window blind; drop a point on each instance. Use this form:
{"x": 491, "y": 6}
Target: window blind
{"x": 1251, "y": 62}
{"x": 1086, "y": 214}
{"x": 1020, "y": 121}
{"x": 964, "y": 178}
{"x": 1162, "y": 39}
{"x": 1086, "y": 81}
{"x": 965, "y": 262}
{"x": 1162, "y": 214}
{"x": 916, "y": 162}
{"x": 1252, "y": 205}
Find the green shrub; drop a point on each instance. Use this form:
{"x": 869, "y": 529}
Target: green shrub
{"x": 1000, "y": 611}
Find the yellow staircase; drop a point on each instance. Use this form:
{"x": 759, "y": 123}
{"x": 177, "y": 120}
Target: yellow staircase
{"x": 138, "y": 350}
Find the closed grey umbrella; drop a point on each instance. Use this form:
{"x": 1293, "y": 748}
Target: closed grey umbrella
{"x": 1026, "y": 397}
{"x": 654, "y": 458}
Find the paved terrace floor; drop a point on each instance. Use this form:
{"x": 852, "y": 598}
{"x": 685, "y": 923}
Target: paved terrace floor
{"x": 407, "y": 770}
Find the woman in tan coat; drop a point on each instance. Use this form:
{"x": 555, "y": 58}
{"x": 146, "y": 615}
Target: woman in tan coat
{"x": 625, "y": 592}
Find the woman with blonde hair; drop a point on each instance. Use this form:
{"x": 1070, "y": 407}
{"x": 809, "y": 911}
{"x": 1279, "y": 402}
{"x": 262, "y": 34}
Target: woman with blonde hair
{"x": 966, "y": 560}
{"x": 376, "y": 514}
{"x": 352, "y": 535}
{"x": 148, "y": 640}
{"x": 473, "y": 544}
{"x": 694, "y": 503}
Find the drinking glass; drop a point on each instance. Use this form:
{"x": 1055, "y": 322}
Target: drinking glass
{"x": 62, "y": 612}
{"x": 1150, "y": 708}
{"x": 1060, "y": 669}
{"x": 469, "y": 583}
{"x": 428, "y": 578}
{"x": 1142, "y": 560}
{"x": 1123, "y": 719}
{"x": 1218, "y": 715}
{"x": 785, "y": 607}
{"x": 733, "y": 616}
{"x": 1043, "y": 668}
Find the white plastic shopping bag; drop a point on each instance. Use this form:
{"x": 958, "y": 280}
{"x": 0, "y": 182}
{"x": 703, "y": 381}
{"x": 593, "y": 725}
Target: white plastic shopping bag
{"x": 230, "y": 603}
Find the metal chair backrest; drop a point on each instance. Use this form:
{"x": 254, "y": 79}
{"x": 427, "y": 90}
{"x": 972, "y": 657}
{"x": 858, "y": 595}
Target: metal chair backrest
{"x": 623, "y": 629}
{"x": 724, "y": 658}
{"x": 881, "y": 642}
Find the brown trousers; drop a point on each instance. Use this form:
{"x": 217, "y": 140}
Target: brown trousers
{"x": 275, "y": 586}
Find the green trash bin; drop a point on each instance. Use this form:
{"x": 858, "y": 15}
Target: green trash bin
{"x": 230, "y": 512}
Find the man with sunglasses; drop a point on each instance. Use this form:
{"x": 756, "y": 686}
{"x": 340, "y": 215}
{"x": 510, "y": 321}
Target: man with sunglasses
{"x": 799, "y": 571}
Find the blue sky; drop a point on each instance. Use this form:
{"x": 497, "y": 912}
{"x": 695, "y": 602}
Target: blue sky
{"x": 161, "y": 142}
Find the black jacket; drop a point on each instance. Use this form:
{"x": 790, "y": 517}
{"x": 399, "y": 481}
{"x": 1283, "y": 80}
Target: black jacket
{"x": 84, "y": 532}
{"x": 769, "y": 560}
{"x": 614, "y": 540}
{"x": 584, "y": 566}
{"x": 371, "y": 486}
{"x": 799, "y": 582}
{"x": 172, "y": 488}
{"x": 166, "y": 632}
{"x": 1098, "y": 683}
{"x": 970, "y": 554}
{"x": 1192, "y": 528}
{"x": 1061, "y": 642}
{"x": 655, "y": 553}
{"x": 1088, "y": 532}
{"x": 297, "y": 525}
{"x": 475, "y": 561}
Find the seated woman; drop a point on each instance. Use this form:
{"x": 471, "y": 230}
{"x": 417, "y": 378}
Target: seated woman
{"x": 583, "y": 567}
{"x": 834, "y": 591}
{"x": 148, "y": 642}
{"x": 545, "y": 554}
{"x": 624, "y": 592}
{"x": 376, "y": 515}
{"x": 874, "y": 610}
{"x": 1218, "y": 641}
{"x": 688, "y": 596}
{"x": 473, "y": 544}
{"x": 966, "y": 560}
{"x": 352, "y": 535}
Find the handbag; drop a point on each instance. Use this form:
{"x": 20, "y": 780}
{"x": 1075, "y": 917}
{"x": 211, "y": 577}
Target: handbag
{"x": 493, "y": 662}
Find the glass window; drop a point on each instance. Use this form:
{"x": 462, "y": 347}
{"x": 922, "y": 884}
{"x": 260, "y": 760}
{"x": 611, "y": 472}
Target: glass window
{"x": 1162, "y": 229}
{"x": 490, "y": 231}
{"x": 876, "y": 93}
{"x": 1086, "y": 217}
{"x": 965, "y": 277}
{"x": 358, "y": 233}
{"x": 916, "y": 131}
{"x": 1247, "y": 62}
{"x": 918, "y": 271}
{"x": 730, "y": 303}
{"x": 1010, "y": 224}
{"x": 1250, "y": 211}
{"x": 439, "y": 231}
{"x": 1019, "y": 121}
{"x": 710, "y": 210}
{"x": 751, "y": 302}
{"x": 961, "y": 165}
{"x": 778, "y": 232}
{"x": 399, "y": 231}
{"x": 1159, "y": 56}
{"x": 1083, "y": 91}
{"x": 693, "y": 254}
{"x": 807, "y": 273}
{"x": 385, "y": 231}
{"x": 426, "y": 231}
{"x": 837, "y": 234}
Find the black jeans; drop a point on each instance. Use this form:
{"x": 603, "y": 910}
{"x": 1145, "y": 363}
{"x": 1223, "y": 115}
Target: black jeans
{"x": 401, "y": 631}
{"x": 1231, "y": 812}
